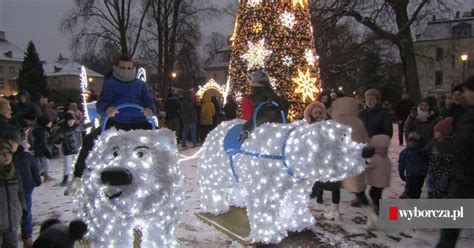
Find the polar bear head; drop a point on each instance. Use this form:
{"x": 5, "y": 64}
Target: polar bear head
{"x": 325, "y": 151}
{"x": 132, "y": 174}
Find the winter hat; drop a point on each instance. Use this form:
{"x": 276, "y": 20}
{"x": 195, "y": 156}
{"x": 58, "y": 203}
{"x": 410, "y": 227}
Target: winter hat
{"x": 456, "y": 88}
{"x": 24, "y": 93}
{"x": 11, "y": 133}
{"x": 468, "y": 83}
{"x": 69, "y": 116}
{"x": 445, "y": 126}
{"x": 309, "y": 109}
{"x": 259, "y": 78}
{"x": 431, "y": 101}
{"x": 43, "y": 121}
{"x": 413, "y": 136}
{"x": 55, "y": 234}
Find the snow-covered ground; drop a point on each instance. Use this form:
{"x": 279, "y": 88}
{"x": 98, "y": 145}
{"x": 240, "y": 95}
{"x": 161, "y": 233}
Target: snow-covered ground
{"x": 49, "y": 201}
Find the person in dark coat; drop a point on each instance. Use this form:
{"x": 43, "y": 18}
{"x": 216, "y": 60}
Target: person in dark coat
{"x": 25, "y": 107}
{"x": 11, "y": 197}
{"x": 217, "y": 117}
{"x": 402, "y": 110}
{"x": 426, "y": 119}
{"x": 230, "y": 108}
{"x": 376, "y": 121}
{"x": 188, "y": 118}
{"x": 454, "y": 108}
{"x": 440, "y": 166}
{"x": 41, "y": 146}
{"x": 263, "y": 92}
{"x": 55, "y": 234}
{"x": 460, "y": 145}
{"x": 28, "y": 168}
{"x": 172, "y": 109}
{"x": 70, "y": 136}
{"x": 413, "y": 166}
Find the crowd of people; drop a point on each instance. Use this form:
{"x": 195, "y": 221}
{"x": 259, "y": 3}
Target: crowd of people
{"x": 437, "y": 132}
{"x": 30, "y": 134}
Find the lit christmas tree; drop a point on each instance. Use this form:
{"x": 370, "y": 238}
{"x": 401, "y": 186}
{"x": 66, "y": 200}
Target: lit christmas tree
{"x": 276, "y": 36}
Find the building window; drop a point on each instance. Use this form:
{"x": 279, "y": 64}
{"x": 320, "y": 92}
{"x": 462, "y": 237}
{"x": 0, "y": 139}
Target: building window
{"x": 12, "y": 70}
{"x": 439, "y": 78}
{"x": 439, "y": 53}
{"x": 1, "y": 69}
{"x": 469, "y": 63}
{"x": 462, "y": 30}
{"x": 1, "y": 83}
{"x": 453, "y": 61}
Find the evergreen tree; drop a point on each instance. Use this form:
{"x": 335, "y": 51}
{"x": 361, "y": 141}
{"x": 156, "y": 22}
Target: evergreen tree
{"x": 31, "y": 76}
{"x": 275, "y": 36}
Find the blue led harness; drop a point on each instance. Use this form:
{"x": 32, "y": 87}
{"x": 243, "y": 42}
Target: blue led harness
{"x": 233, "y": 147}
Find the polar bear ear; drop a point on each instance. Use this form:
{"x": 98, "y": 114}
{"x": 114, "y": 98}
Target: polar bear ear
{"x": 166, "y": 137}
{"x": 109, "y": 133}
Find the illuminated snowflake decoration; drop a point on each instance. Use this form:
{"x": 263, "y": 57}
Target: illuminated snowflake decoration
{"x": 257, "y": 27}
{"x": 306, "y": 85}
{"x": 256, "y": 55}
{"x": 254, "y": 3}
{"x": 287, "y": 61}
{"x": 308, "y": 54}
{"x": 288, "y": 19}
{"x": 238, "y": 96}
{"x": 301, "y": 3}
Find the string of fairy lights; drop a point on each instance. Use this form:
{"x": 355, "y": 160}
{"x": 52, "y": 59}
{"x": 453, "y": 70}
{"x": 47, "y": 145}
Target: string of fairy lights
{"x": 276, "y": 36}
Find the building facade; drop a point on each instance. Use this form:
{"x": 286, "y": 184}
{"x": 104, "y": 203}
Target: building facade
{"x": 218, "y": 68}
{"x": 11, "y": 58}
{"x": 439, "y": 49}
{"x": 63, "y": 75}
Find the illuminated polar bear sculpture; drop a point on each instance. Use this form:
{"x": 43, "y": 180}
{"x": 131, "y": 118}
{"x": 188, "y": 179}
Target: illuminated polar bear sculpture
{"x": 273, "y": 172}
{"x": 133, "y": 194}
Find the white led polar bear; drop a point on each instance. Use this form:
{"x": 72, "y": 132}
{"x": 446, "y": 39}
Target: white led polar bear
{"x": 134, "y": 187}
{"x": 272, "y": 173}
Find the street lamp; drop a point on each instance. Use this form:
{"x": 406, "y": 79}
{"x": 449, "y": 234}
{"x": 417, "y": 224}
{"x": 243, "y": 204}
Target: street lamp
{"x": 174, "y": 75}
{"x": 464, "y": 58}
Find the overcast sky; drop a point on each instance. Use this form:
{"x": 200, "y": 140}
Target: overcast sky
{"x": 38, "y": 20}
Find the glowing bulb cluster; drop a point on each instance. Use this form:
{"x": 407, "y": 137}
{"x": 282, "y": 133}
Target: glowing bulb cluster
{"x": 276, "y": 168}
{"x": 151, "y": 204}
{"x": 84, "y": 83}
{"x": 141, "y": 74}
{"x": 254, "y": 3}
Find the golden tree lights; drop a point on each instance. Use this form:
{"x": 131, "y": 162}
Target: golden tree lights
{"x": 285, "y": 27}
{"x": 301, "y": 3}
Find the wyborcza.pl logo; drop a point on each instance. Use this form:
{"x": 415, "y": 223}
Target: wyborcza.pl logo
{"x": 426, "y": 213}
{"x": 410, "y": 214}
